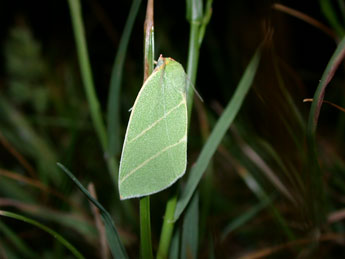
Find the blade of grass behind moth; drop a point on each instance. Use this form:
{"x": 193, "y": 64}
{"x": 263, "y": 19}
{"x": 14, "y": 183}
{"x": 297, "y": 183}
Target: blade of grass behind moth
{"x": 104, "y": 251}
{"x": 317, "y": 193}
{"x": 260, "y": 163}
{"x": 175, "y": 244}
{"x": 212, "y": 253}
{"x": 74, "y": 221}
{"x": 20, "y": 158}
{"x": 145, "y": 218}
{"x": 291, "y": 174}
{"x": 190, "y": 230}
{"x": 306, "y": 18}
{"x": 114, "y": 242}
{"x": 11, "y": 189}
{"x": 331, "y": 15}
{"x": 287, "y": 96}
{"x": 269, "y": 251}
{"x": 113, "y": 108}
{"x": 257, "y": 190}
{"x": 341, "y": 5}
{"x": 217, "y": 134}
{"x": 207, "y": 183}
{"x": 58, "y": 237}
{"x": 30, "y": 143}
{"x": 89, "y": 87}
{"x": 245, "y": 217}
{"x": 18, "y": 243}
{"x": 194, "y": 15}
{"x": 36, "y": 184}
{"x": 85, "y": 68}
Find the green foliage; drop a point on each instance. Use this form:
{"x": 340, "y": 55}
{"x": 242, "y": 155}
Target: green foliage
{"x": 264, "y": 172}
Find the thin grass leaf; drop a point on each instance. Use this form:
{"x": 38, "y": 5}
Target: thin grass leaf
{"x": 341, "y": 6}
{"x": 326, "y": 78}
{"x": 190, "y": 230}
{"x": 114, "y": 242}
{"x": 212, "y": 252}
{"x": 85, "y": 68}
{"x": 217, "y": 134}
{"x": 113, "y": 112}
{"x": 259, "y": 192}
{"x": 18, "y": 131}
{"x": 317, "y": 196}
{"x": 269, "y": 251}
{"x": 175, "y": 245}
{"x": 20, "y": 246}
{"x": 245, "y": 217}
{"x": 145, "y": 219}
{"x": 206, "y": 19}
{"x": 58, "y": 237}
{"x": 167, "y": 228}
{"x": 306, "y": 18}
{"x": 69, "y": 220}
{"x": 194, "y": 14}
{"x": 330, "y": 14}
{"x": 265, "y": 169}
{"x": 11, "y": 189}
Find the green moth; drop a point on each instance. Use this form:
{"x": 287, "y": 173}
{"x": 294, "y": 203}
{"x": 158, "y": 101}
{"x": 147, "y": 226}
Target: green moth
{"x": 154, "y": 153}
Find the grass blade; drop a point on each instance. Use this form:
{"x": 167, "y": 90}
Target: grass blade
{"x": 145, "y": 219}
{"x": 145, "y": 228}
{"x": 20, "y": 246}
{"x": 167, "y": 228}
{"x": 245, "y": 217}
{"x": 327, "y": 76}
{"x": 114, "y": 242}
{"x": 113, "y": 113}
{"x": 63, "y": 241}
{"x": 317, "y": 190}
{"x": 217, "y": 134}
{"x": 175, "y": 245}
{"x": 190, "y": 230}
{"x": 330, "y": 14}
{"x": 86, "y": 73}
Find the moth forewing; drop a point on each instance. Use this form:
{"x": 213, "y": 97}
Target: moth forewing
{"x": 154, "y": 153}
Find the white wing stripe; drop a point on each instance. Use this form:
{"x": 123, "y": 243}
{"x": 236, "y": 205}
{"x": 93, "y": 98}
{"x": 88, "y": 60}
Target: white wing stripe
{"x": 184, "y": 139}
{"x": 156, "y": 122}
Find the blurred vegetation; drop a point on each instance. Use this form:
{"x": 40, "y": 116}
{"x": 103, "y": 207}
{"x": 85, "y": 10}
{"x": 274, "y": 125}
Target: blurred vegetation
{"x": 273, "y": 189}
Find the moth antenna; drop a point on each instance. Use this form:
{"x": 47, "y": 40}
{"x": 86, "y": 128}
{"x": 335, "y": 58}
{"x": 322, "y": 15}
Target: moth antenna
{"x": 194, "y": 89}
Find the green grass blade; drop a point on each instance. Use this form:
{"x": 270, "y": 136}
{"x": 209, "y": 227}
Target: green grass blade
{"x": 88, "y": 83}
{"x": 63, "y": 241}
{"x": 167, "y": 228}
{"x": 206, "y": 19}
{"x": 145, "y": 228}
{"x": 20, "y": 246}
{"x": 218, "y": 132}
{"x": 190, "y": 230}
{"x": 330, "y": 14}
{"x": 175, "y": 245}
{"x": 12, "y": 125}
{"x": 317, "y": 190}
{"x": 85, "y": 68}
{"x": 245, "y": 217}
{"x": 114, "y": 242}
{"x": 113, "y": 109}
{"x": 262, "y": 196}
{"x": 145, "y": 219}
{"x": 327, "y": 76}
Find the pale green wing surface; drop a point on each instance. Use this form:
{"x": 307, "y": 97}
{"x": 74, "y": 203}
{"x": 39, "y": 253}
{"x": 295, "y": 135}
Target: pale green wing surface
{"x": 154, "y": 153}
